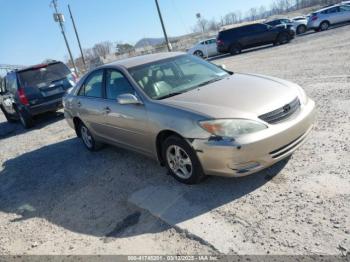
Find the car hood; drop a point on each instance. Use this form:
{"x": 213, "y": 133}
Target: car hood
{"x": 236, "y": 96}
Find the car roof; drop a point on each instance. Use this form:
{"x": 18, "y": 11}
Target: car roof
{"x": 38, "y": 66}
{"x": 144, "y": 59}
{"x": 327, "y": 7}
{"x": 241, "y": 26}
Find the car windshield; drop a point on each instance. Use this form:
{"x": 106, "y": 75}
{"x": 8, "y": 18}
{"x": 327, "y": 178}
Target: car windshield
{"x": 41, "y": 76}
{"x": 176, "y": 75}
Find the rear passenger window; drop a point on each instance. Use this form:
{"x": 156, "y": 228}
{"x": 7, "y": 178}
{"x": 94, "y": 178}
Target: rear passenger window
{"x": 332, "y": 10}
{"x": 93, "y": 85}
{"x": 258, "y": 28}
{"x": 117, "y": 84}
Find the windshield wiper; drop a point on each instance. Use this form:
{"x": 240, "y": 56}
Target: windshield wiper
{"x": 170, "y": 95}
{"x": 199, "y": 85}
{"x": 209, "y": 81}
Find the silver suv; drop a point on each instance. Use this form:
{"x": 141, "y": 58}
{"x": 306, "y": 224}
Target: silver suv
{"x": 323, "y": 18}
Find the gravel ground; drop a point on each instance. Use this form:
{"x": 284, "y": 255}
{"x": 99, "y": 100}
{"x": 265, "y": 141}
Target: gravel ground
{"x": 58, "y": 198}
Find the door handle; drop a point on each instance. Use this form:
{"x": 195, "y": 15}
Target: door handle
{"x": 79, "y": 104}
{"x": 107, "y": 110}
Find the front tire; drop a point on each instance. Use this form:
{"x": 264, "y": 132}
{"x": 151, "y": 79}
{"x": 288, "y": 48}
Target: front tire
{"x": 301, "y": 29}
{"x": 324, "y": 26}
{"x": 282, "y": 39}
{"x": 181, "y": 161}
{"x": 88, "y": 140}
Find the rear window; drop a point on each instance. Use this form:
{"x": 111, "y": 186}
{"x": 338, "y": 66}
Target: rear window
{"x": 38, "y": 77}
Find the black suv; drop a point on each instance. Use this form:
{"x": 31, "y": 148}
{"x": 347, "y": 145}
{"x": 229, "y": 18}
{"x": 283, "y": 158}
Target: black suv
{"x": 236, "y": 39}
{"x": 34, "y": 90}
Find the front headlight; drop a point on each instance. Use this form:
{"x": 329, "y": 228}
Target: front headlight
{"x": 231, "y": 127}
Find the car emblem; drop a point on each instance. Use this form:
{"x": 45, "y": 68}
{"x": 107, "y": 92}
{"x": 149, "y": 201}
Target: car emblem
{"x": 286, "y": 108}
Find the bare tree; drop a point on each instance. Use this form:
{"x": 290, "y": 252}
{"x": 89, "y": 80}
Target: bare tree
{"x": 252, "y": 14}
{"x": 102, "y": 49}
{"x": 213, "y": 25}
{"x": 262, "y": 12}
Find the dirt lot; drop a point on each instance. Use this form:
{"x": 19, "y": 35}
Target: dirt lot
{"x": 55, "y": 197}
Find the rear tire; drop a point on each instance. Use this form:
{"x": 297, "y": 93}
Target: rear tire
{"x": 199, "y": 53}
{"x": 282, "y": 39}
{"x": 25, "y": 118}
{"x": 301, "y": 29}
{"x": 8, "y": 117}
{"x": 181, "y": 161}
{"x": 235, "y": 49}
{"x": 87, "y": 138}
{"x": 324, "y": 26}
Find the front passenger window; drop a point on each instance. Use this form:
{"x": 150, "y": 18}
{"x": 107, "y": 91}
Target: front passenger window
{"x": 117, "y": 84}
{"x": 93, "y": 85}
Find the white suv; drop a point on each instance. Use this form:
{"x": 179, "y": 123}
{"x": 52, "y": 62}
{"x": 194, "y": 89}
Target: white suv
{"x": 323, "y": 18}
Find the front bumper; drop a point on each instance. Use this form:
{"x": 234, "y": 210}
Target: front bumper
{"x": 254, "y": 152}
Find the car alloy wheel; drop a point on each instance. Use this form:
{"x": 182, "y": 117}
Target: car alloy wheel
{"x": 86, "y": 136}
{"x": 301, "y": 29}
{"x": 179, "y": 161}
{"x": 199, "y": 53}
{"x": 324, "y": 26}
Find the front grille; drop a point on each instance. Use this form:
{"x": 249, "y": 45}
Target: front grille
{"x": 281, "y": 113}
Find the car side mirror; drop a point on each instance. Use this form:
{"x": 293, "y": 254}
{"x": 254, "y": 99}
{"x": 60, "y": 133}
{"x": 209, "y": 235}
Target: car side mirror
{"x": 126, "y": 99}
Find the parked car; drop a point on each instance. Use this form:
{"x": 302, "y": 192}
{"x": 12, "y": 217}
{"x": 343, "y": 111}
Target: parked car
{"x": 284, "y": 22}
{"x": 236, "y": 39}
{"x": 298, "y": 24}
{"x": 34, "y": 90}
{"x": 192, "y": 116}
{"x": 323, "y": 18}
{"x": 204, "y": 48}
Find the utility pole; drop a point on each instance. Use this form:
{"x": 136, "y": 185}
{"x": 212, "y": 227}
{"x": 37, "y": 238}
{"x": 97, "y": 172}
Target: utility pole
{"x": 198, "y": 15}
{"x": 76, "y": 34}
{"x": 163, "y": 27}
{"x": 60, "y": 19}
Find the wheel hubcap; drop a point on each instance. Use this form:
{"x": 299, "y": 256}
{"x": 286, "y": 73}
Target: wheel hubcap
{"x": 324, "y": 26}
{"x": 85, "y": 134}
{"x": 179, "y": 161}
